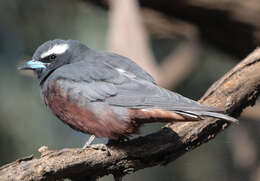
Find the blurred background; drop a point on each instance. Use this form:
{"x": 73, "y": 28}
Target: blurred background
{"x": 185, "y": 45}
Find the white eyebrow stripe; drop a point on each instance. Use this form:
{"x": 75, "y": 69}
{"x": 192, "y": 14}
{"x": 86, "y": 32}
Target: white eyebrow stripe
{"x": 56, "y": 49}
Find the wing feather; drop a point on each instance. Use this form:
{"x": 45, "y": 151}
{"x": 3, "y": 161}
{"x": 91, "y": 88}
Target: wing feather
{"x": 101, "y": 82}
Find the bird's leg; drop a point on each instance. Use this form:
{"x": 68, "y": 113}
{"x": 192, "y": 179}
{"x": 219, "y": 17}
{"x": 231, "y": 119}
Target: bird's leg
{"x": 102, "y": 147}
{"x": 89, "y": 142}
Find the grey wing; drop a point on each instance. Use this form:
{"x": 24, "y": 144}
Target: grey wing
{"x": 145, "y": 95}
{"x": 142, "y": 94}
{"x": 103, "y": 83}
{"x": 120, "y": 62}
{"x": 91, "y": 82}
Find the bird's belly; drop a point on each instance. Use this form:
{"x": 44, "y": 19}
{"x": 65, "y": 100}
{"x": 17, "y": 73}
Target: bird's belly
{"x": 92, "y": 118}
{"x": 70, "y": 113}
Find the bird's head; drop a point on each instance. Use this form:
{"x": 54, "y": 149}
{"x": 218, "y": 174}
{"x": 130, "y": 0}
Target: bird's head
{"x": 52, "y": 55}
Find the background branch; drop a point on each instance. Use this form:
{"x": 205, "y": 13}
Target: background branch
{"x": 236, "y": 30}
{"x": 233, "y": 92}
{"x": 128, "y": 36}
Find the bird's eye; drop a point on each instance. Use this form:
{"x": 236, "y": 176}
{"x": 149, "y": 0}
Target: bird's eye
{"x": 52, "y": 57}
{"x": 49, "y": 58}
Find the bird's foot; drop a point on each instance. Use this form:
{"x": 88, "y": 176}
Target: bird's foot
{"x": 101, "y": 147}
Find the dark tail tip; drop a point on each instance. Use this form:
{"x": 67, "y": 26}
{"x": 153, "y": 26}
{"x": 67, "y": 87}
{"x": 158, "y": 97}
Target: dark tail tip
{"x": 222, "y": 116}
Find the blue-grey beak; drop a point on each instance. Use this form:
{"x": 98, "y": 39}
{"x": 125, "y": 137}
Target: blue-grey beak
{"x": 32, "y": 65}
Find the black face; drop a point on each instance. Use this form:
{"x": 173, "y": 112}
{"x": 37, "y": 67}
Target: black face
{"x": 52, "y": 55}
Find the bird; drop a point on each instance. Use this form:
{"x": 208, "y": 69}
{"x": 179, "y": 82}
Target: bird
{"x": 105, "y": 94}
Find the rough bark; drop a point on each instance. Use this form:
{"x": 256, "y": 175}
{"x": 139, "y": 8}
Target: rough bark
{"x": 236, "y": 90}
{"x": 231, "y": 25}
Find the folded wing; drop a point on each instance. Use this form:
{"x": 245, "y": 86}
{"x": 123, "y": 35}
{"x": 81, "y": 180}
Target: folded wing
{"x": 120, "y": 88}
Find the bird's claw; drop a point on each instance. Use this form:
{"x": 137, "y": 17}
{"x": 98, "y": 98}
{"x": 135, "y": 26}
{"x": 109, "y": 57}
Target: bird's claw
{"x": 101, "y": 147}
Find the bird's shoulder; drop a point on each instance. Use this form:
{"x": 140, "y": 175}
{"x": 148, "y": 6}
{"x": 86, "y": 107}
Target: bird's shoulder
{"x": 88, "y": 72}
{"x": 83, "y": 81}
{"x": 119, "y": 63}
{"x": 104, "y": 66}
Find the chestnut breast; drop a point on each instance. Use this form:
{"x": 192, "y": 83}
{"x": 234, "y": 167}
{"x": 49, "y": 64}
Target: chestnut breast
{"x": 96, "y": 118}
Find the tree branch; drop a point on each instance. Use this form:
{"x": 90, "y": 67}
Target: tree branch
{"x": 128, "y": 36}
{"x": 231, "y": 26}
{"x": 233, "y": 92}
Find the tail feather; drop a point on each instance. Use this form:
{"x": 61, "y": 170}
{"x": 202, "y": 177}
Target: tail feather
{"x": 209, "y": 114}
